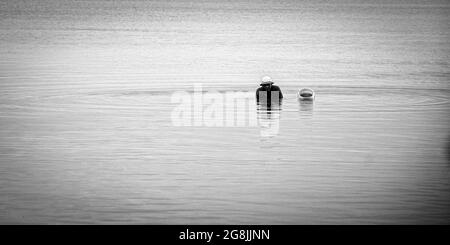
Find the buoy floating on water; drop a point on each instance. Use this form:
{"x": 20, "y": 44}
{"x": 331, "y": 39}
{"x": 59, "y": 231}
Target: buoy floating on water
{"x": 306, "y": 94}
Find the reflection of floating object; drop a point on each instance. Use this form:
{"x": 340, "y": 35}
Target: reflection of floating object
{"x": 306, "y": 94}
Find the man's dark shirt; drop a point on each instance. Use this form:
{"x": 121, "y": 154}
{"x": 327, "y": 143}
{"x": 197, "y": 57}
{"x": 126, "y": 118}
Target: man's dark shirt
{"x": 268, "y": 93}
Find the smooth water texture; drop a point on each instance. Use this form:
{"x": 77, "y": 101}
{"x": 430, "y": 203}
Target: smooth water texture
{"x": 85, "y": 112}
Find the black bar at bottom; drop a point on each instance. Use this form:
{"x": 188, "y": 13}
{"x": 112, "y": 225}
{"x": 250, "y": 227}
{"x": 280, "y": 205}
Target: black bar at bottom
{"x": 226, "y": 234}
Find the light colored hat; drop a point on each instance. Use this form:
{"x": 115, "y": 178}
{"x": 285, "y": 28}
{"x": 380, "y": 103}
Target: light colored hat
{"x": 266, "y": 80}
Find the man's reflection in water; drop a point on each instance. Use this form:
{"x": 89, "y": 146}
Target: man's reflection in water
{"x": 268, "y": 112}
{"x": 269, "y": 118}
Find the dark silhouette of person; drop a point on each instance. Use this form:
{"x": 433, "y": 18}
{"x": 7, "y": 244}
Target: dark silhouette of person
{"x": 268, "y": 93}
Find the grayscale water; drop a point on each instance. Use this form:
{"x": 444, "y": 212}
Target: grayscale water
{"x": 85, "y": 112}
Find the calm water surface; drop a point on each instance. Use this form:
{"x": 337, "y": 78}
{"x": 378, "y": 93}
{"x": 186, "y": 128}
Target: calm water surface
{"x": 85, "y": 112}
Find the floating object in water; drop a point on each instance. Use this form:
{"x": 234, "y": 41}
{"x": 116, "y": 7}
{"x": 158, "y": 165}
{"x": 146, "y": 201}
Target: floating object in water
{"x": 306, "y": 94}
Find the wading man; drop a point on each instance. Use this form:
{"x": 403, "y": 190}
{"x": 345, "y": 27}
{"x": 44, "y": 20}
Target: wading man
{"x": 268, "y": 93}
